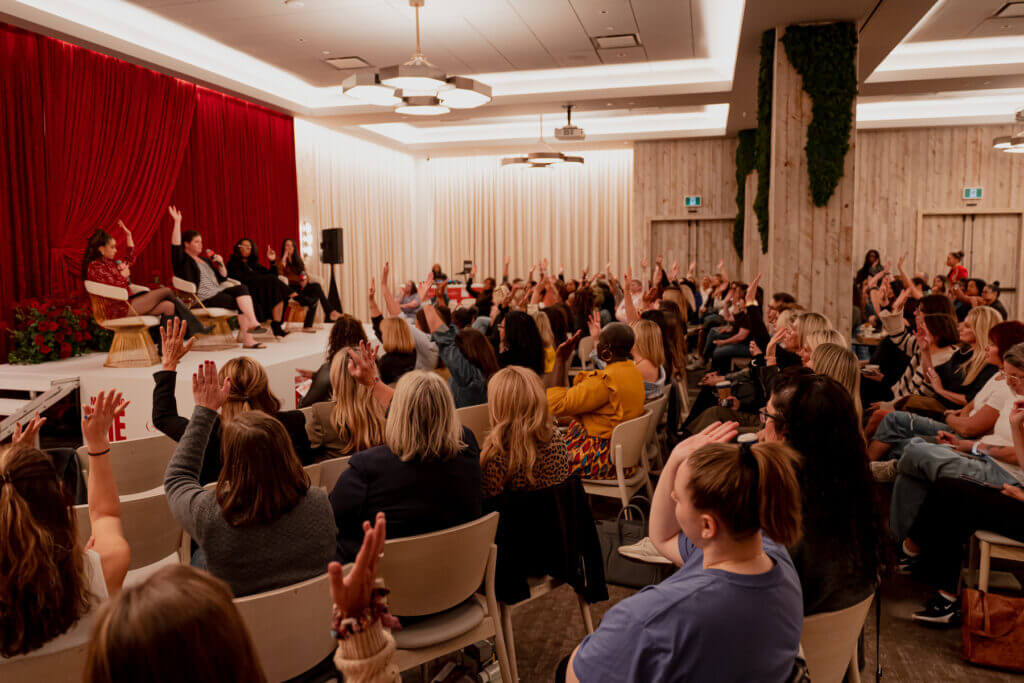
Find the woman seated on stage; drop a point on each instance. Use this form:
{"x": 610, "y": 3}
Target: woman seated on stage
{"x": 268, "y": 293}
{"x": 51, "y": 585}
{"x": 249, "y": 391}
{"x": 352, "y": 421}
{"x": 426, "y": 474}
{"x": 346, "y": 331}
{"x": 207, "y": 273}
{"x": 263, "y": 526}
{"x": 309, "y": 294}
{"x": 99, "y": 266}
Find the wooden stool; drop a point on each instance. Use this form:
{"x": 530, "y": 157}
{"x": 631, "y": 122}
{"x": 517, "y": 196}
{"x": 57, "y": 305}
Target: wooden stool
{"x": 991, "y": 546}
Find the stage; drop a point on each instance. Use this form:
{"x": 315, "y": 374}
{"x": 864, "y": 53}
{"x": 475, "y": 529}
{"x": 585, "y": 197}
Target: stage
{"x": 298, "y": 350}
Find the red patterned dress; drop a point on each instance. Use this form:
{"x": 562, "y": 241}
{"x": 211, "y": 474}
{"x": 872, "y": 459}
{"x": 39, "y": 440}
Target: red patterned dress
{"x": 106, "y": 272}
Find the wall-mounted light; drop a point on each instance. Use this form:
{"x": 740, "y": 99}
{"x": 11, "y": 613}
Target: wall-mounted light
{"x": 306, "y": 240}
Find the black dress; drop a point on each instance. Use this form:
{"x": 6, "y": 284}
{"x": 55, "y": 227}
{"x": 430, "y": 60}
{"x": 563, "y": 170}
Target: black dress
{"x": 266, "y": 288}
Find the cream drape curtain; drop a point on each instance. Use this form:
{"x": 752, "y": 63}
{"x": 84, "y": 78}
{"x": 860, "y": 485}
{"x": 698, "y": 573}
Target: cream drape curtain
{"x": 575, "y": 216}
{"x": 366, "y": 189}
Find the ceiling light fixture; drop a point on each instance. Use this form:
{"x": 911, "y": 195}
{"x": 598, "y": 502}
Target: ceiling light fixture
{"x": 428, "y": 90}
{"x": 542, "y": 159}
{"x": 1014, "y": 144}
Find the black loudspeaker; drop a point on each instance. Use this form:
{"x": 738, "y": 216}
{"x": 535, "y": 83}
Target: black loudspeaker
{"x": 332, "y": 248}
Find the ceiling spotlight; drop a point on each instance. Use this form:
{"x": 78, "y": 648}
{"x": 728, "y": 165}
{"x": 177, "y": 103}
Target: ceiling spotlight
{"x": 420, "y": 79}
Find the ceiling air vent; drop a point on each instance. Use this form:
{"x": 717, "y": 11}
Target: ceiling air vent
{"x": 345, "y": 63}
{"x": 617, "y": 41}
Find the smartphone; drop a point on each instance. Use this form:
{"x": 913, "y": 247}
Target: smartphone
{"x": 979, "y": 482}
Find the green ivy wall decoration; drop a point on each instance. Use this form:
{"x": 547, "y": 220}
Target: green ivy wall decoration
{"x": 825, "y": 57}
{"x": 746, "y": 155}
{"x": 763, "y": 150}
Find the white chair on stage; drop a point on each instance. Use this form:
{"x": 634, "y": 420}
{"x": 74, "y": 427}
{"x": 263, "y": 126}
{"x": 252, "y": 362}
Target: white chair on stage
{"x": 222, "y": 337}
{"x": 132, "y": 347}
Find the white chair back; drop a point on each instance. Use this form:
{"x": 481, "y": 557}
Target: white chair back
{"x": 290, "y": 627}
{"x": 138, "y": 465}
{"x": 586, "y": 347}
{"x": 829, "y": 641}
{"x": 478, "y": 419}
{"x": 657, "y": 409}
{"x": 65, "y": 666}
{"x": 627, "y": 442}
{"x": 183, "y": 285}
{"x": 434, "y": 572}
{"x": 314, "y": 474}
{"x": 149, "y": 527}
{"x": 330, "y": 470}
{"x": 106, "y": 291}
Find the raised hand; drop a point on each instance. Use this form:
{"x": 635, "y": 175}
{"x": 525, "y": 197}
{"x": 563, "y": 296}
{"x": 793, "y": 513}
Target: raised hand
{"x": 716, "y": 432}
{"x": 124, "y": 227}
{"x": 644, "y": 263}
{"x": 372, "y": 291}
{"x": 933, "y": 378}
{"x": 594, "y": 324}
{"x": 472, "y": 271}
{"x": 208, "y": 391}
{"x": 565, "y": 349}
{"x": 721, "y": 264}
{"x": 384, "y": 272}
{"x": 675, "y": 271}
{"x": 172, "y": 341}
{"x": 271, "y": 254}
{"x": 97, "y": 418}
{"x": 28, "y": 436}
{"x": 362, "y": 364}
{"x": 752, "y": 289}
{"x": 659, "y": 260}
{"x": 508, "y": 259}
{"x": 352, "y": 594}
{"x": 175, "y": 214}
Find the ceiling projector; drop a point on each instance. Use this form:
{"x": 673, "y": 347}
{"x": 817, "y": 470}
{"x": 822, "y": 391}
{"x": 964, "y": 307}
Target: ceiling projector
{"x": 569, "y": 132}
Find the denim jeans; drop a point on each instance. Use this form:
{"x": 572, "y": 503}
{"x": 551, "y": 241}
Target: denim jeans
{"x": 721, "y": 358}
{"x": 922, "y": 463}
{"x": 899, "y": 426}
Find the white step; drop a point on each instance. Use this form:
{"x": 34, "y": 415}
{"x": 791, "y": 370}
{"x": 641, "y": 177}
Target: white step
{"x": 10, "y": 406}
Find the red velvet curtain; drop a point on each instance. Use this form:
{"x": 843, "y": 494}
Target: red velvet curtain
{"x": 87, "y": 139}
{"x": 237, "y": 180}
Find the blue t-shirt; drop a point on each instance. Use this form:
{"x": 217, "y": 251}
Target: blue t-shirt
{"x": 701, "y": 625}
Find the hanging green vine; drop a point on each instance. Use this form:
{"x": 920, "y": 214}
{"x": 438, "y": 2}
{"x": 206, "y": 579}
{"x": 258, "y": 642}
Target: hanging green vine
{"x": 745, "y": 158}
{"x": 764, "y": 133}
{"x": 825, "y": 57}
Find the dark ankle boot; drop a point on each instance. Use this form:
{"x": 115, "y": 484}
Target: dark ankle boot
{"x": 193, "y": 326}
{"x": 278, "y": 329}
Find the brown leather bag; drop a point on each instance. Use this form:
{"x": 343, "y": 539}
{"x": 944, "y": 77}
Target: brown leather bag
{"x": 993, "y": 630}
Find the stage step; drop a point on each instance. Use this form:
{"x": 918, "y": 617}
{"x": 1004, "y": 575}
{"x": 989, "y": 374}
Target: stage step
{"x": 41, "y": 395}
{"x": 12, "y": 406}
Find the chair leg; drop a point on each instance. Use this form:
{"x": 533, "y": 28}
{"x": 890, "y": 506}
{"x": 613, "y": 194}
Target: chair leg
{"x": 588, "y": 618}
{"x": 986, "y": 564}
{"x": 425, "y": 672}
{"x": 852, "y": 671}
{"x": 510, "y": 641}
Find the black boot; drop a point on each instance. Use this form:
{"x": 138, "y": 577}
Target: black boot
{"x": 193, "y": 326}
{"x": 278, "y": 329}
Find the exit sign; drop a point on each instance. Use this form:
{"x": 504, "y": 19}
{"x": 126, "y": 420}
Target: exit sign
{"x": 692, "y": 201}
{"x": 972, "y": 193}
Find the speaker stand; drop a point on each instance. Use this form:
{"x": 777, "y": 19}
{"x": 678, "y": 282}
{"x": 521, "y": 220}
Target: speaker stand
{"x": 333, "y": 298}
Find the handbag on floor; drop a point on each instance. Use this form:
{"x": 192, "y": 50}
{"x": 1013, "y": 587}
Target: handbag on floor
{"x": 993, "y": 630}
{"x": 623, "y": 571}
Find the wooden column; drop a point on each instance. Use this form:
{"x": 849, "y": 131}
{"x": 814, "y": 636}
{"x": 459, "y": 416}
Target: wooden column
{"x": 810, "y": 249}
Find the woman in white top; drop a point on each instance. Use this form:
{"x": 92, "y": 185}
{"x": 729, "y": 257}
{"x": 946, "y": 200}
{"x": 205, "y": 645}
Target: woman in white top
{"x": 52, "y": 585}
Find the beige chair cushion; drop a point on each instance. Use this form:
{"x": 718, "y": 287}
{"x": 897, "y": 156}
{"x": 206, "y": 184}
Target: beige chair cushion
{"x": 133, "y": 321}
{"x": 215, "y": 312}
{"x": 442, "y": 627}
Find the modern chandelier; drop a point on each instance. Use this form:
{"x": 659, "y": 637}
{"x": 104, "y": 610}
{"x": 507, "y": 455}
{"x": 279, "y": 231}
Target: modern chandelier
{"x": 545, "y": 158}
{"x": 1014, "y": 144}
{"x": 416, "y": 88}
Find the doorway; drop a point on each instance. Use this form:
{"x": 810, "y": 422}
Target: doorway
{"x": 704, "y": 240}
{"x": 990, "y": 240}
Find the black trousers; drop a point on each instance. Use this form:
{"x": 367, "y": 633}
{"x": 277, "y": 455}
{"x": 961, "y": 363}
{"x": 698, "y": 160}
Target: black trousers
{"x": 225, "y": 298}
{"x": 309, "y": 296}
{"x": 952, "y": 512}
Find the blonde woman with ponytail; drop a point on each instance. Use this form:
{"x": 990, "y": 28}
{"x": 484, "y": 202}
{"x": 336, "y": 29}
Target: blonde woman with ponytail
{"x": 722, "y": 513}
{"x": 523, "y": 451}
{"x": 249, "y": 390}
{"x": 50, "y": 586}
{"x": 353, "y": 421}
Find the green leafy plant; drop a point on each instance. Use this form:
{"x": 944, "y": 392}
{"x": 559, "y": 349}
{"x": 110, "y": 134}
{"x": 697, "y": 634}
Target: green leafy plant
{"x": 54, "y": 328}
{"x": 825, "y": 57}
{"x": 765, "y": 76}
{"x": 746, "y": 155}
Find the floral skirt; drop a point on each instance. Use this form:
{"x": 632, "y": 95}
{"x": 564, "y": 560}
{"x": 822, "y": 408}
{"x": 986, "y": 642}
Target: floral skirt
{"x": 591, "y": 456}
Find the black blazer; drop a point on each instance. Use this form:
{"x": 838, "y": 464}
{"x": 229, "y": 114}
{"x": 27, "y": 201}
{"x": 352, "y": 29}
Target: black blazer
{"x": 242, "y": 270}
{"x": 417, "y": 497}
{"x": 185, "y": 267}
{"x": 321, "y": 389}
{"x": 168, "y": 421}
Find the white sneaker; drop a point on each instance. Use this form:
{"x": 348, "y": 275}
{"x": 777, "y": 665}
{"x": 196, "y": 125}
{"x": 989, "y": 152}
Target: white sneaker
{"x": 884, "y": 471}
{"x": 644, "y": 551}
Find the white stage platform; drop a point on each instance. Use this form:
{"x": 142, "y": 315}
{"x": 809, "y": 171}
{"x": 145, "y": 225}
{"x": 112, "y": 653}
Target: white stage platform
{"x": 281, "y": 359}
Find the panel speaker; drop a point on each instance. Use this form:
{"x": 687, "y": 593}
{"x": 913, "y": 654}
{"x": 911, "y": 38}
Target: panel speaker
{"x": 331, "y": 246}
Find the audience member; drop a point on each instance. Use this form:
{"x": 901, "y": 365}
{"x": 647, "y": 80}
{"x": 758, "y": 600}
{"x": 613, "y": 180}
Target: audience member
{"x": 520, "y": 343}
{"x": 352, "y": 421}
{"x": 346, "y": 331}
{"x": 468, "y": 356}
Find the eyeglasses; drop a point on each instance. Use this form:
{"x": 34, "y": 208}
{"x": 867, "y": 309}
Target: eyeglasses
{"x": 1013, "y": 379}
{"x": 765, "y": 416}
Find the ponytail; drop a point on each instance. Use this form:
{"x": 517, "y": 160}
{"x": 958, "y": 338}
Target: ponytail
{"x": 749, "y": 489}
{"x": 43, "y": 589}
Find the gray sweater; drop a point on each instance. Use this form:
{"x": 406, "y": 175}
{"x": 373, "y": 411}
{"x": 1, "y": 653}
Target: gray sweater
{"x": 251, "y": 558}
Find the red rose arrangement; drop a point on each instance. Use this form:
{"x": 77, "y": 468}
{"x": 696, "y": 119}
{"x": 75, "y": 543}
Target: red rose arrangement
{"x": 54, "y": 328}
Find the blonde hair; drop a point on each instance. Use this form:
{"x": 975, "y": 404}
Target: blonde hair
{"x": 520, "y": 421}
{"x": 648, "y": 343}
{"x": 815, "y": 339}
{"x": 250, "y": 389}
{"x": 422, "y": 424}
{"x": 841, "y": 364}
{"x": 981, "y": 319}
{"x": 357, "y": 416}
{"x": 396, "y": 336}
{"x": 547, "y": 335}
{"x": 748, "y": 490}
{"x": 808, "y": 323}
{"x": 787, "y": 318}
